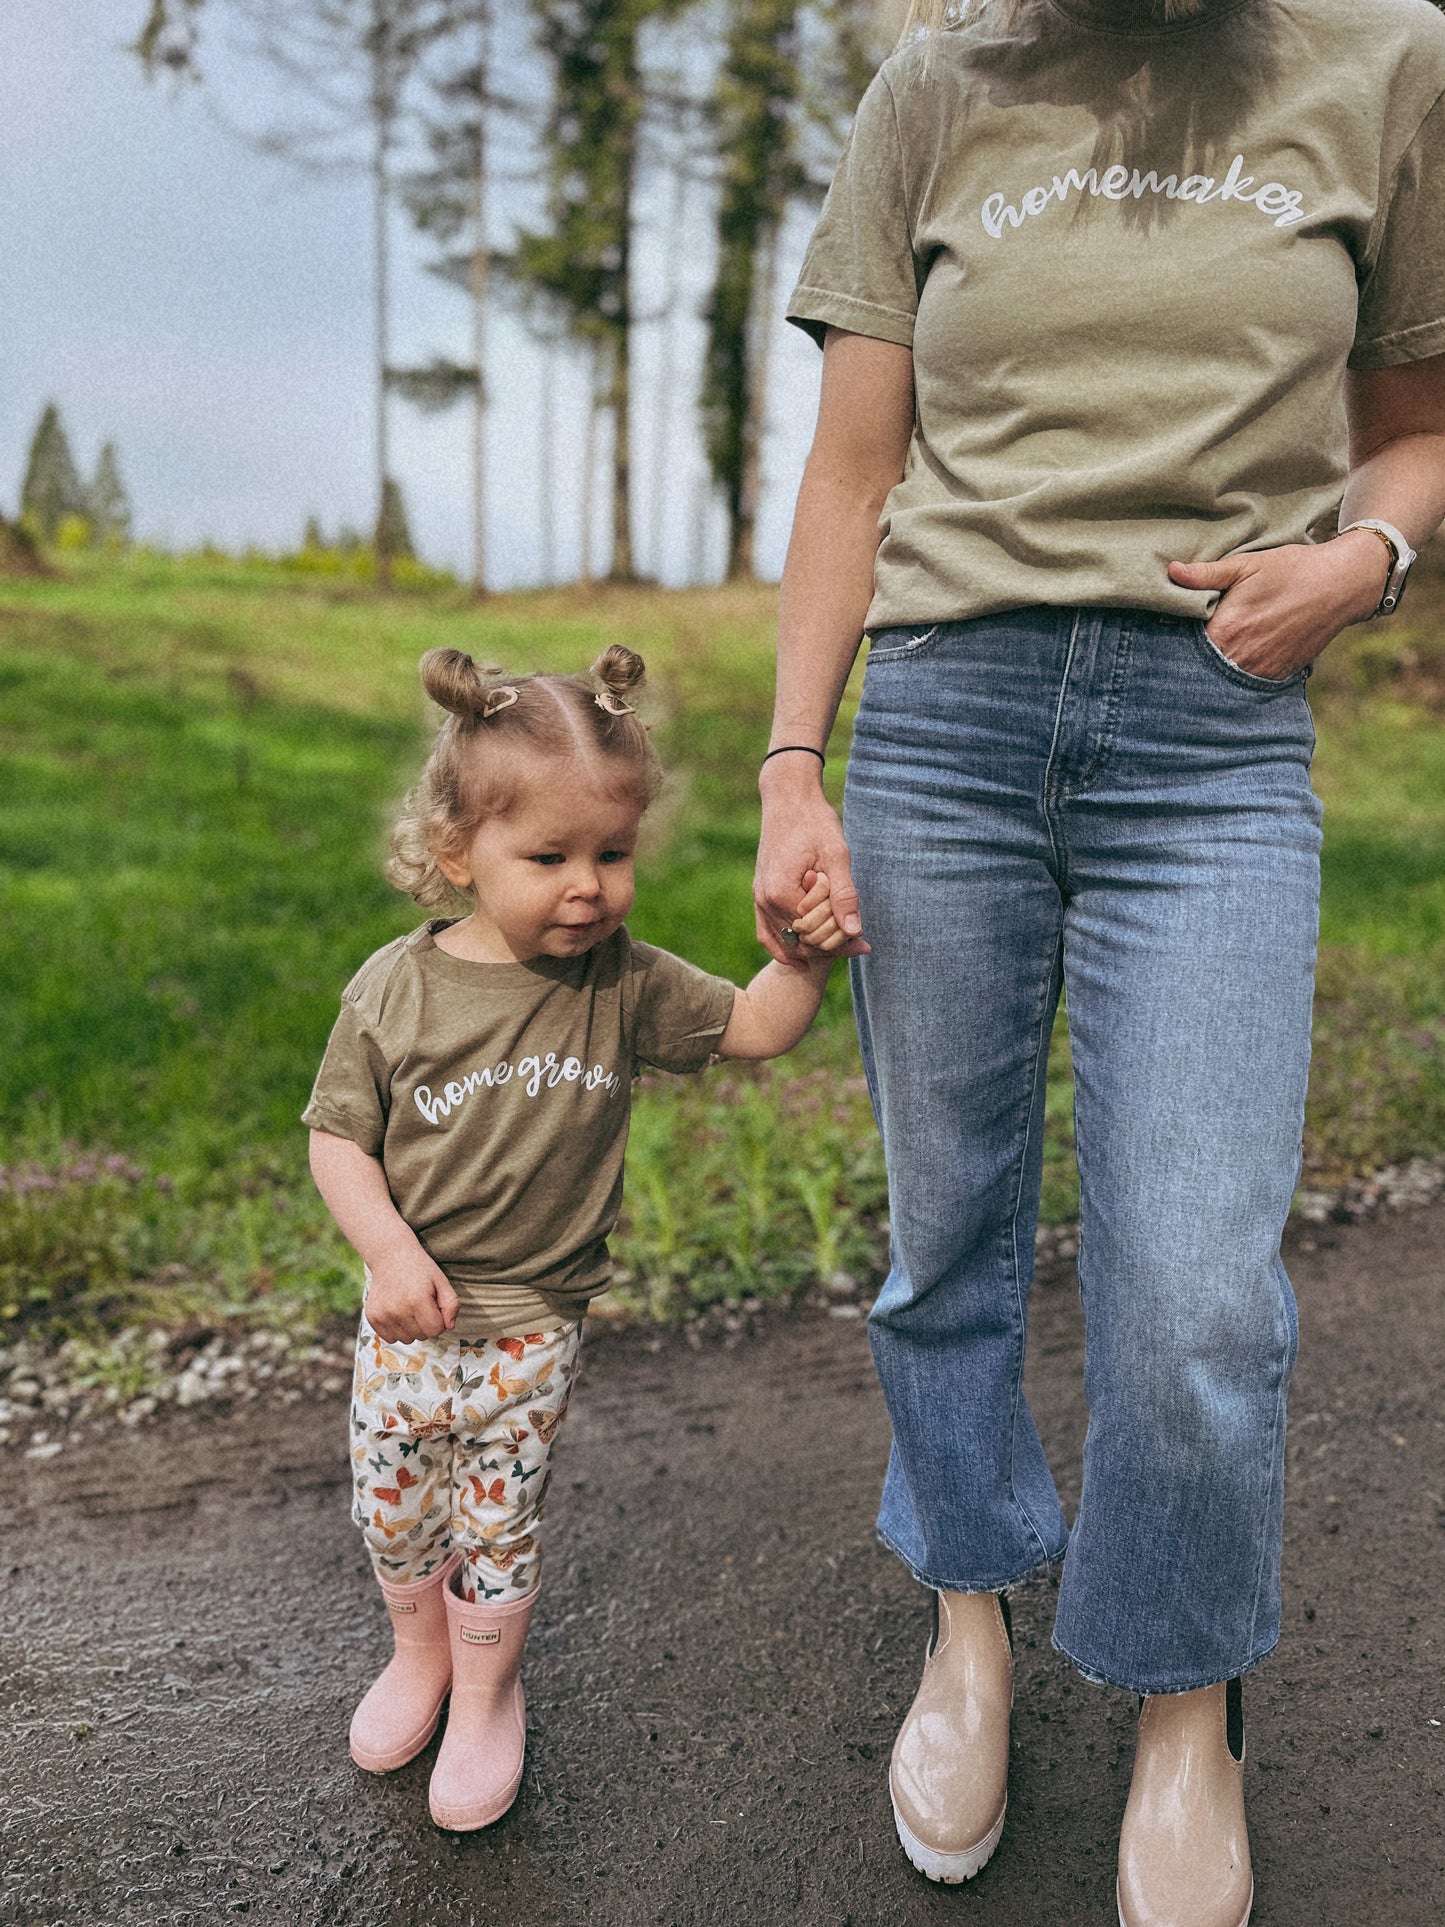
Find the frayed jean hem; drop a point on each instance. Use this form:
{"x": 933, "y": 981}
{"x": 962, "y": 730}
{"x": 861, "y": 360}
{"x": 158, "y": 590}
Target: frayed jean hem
{"x": 1147, "y": 1688}
{"x": 1040, "y": 1569}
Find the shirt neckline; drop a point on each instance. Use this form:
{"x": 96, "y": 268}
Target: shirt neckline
{"x": 474, "y": 970}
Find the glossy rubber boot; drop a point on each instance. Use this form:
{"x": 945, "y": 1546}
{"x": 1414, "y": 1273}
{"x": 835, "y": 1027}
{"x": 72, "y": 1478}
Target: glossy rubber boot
{"x": 479, "y": 1767}
{"x": 949, "y": 1774}
{"x": 400, "y": 1710}
{"x": 1184, "y": 1849}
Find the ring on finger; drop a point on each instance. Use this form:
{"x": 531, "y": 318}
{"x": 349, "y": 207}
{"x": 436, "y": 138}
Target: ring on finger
{"x": 790, "y": 936}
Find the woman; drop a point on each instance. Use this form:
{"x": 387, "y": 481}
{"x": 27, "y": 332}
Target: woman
{"x": 1134, "y": 327}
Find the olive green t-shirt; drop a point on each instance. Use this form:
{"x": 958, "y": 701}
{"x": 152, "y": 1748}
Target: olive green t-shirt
{"x": 497, "y": 1096}
{"x": 1133, "y": 260}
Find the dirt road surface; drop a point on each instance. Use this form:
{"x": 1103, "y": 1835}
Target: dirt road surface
{"x": 720, "y": 1659}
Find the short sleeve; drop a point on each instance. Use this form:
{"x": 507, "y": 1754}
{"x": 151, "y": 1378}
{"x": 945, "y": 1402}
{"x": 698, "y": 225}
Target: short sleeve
{"x": 1402, "y": 299}
{"x": 678, "y": 1011}
{"x": 352, "y": 1092}
{"x": 859, "y": 272}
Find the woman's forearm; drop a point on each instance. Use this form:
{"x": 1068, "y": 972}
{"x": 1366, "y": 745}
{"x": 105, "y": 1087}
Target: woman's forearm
{"x": 865, "y": 419}
{"x": 1402, "y": 482}
{"x": 826, "y": 588}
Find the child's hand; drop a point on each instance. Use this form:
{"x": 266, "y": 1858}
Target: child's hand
{"x": 409, "y": 1297}
{"x": 816, "y": 924}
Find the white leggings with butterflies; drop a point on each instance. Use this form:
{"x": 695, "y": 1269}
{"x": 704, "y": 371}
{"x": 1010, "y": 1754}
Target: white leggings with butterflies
{"x": 451, "y": 1449}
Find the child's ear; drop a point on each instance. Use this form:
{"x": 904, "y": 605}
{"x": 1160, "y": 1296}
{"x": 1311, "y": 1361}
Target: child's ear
{"x": 454, "y": 867}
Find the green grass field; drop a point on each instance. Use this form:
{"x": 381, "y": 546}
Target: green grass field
{"x": 197, "y": 764}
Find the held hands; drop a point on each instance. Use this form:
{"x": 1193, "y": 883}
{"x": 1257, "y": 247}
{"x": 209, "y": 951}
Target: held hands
{"x": 409, "y": 1297}
{"x": 802, "y": 845}
{"x": 1279, "y": 607}
{"x": 817, "y": 922}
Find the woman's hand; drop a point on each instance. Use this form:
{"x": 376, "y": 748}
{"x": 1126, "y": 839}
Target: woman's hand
{"x": 801, "y": 838}
{"x": 1279, "y": 607}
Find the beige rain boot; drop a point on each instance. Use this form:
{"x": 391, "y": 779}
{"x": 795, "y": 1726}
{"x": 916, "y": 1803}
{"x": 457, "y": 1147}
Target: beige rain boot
{"x": 949, "y": 1773}
{"x": 1184, "y": 1849}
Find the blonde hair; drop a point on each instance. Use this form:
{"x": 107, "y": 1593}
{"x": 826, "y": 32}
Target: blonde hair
{"x": 495, "y": 724}
{"x": 932, "y": 16}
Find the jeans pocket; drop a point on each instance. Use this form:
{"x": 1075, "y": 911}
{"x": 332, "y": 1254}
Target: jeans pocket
{"x": 902, "y": 644}
{"x": 1217, "y": 660}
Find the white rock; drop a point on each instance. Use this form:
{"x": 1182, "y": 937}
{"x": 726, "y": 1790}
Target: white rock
{"x": 46, "y": 1451}
{"x": 191, "y": 1388}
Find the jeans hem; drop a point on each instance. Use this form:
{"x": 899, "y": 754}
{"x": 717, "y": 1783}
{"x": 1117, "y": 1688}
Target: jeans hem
{"x": 1175, "y": 1685}
{"x": 1040, "y": 1569}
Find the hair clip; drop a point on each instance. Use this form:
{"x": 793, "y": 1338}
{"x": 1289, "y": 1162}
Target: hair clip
{"x": 500, "y": 698}
{"x": 609, "y": 700}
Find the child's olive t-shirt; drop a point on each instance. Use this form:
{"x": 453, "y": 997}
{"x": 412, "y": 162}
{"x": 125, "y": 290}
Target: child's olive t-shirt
{"x": 1132, "y": 260}
{"x": 497, "y": 1097}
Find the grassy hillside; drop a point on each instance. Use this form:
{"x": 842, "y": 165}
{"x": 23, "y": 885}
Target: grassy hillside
{"x": 197, "y": 763}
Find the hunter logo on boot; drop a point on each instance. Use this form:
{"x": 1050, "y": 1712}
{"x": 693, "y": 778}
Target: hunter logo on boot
{"x": 479, "y": 1636}
{"x": 401, "y": 1605}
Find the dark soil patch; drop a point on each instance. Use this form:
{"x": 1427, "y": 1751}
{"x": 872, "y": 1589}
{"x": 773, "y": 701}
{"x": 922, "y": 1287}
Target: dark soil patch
{"x": 720, "y": 1661}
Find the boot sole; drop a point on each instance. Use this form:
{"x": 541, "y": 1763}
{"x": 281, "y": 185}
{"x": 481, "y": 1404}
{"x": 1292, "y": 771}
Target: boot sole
{"x": 1243, "y": 1919}
{"x": 401, "y": 1756}
{"x": 472, "y": 1819}
{"x": 951, "y": 1869}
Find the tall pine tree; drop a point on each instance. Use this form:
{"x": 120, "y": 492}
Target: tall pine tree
{"x": 791, "y": 75}
{"x": 106, "y": 503}
{"x": 581, "y": 263}
{"x": 754, "y": 110}
{"x": 52, "y": 487}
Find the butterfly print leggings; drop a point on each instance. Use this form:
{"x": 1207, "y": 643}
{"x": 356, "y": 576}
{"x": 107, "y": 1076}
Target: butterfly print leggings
{"x": 451, "y": 1448}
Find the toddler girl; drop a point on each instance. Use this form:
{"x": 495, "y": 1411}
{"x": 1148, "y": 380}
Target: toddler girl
{"x": 467, "y": 1133}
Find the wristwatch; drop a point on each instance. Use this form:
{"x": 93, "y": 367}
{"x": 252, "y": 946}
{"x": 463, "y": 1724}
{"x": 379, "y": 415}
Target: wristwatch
{"x": 1401, "y": 556}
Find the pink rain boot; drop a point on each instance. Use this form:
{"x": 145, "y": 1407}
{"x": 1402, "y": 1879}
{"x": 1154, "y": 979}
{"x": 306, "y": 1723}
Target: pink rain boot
{"x": 479, "y": 1767}
{"x": 400, "y": 1711}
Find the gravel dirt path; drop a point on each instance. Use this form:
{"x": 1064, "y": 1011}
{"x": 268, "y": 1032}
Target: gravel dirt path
{"x": 720, "y": 1659}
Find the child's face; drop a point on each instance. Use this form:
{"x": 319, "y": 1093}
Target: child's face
{"x": 553, "y": 876}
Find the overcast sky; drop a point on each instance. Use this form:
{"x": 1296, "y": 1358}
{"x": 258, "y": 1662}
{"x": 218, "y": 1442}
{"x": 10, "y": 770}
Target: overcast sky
{"x": 209, "y": 310}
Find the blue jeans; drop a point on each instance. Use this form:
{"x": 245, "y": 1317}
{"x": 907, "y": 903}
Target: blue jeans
{"x": 1098, "y": 799}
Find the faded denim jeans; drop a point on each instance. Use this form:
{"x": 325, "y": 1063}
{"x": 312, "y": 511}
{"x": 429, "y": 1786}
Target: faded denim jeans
{"x": 1098, "y": 799}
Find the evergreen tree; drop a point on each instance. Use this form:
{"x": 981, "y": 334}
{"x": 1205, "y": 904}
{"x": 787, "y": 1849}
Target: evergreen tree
{"x": 581, "y": 264}
{"x": 754, "y": 112}
{"x": 791, "y": 76}
{"x": 107, "y": 504}
{"x": 52, "y": 488}
{"x": 393, "y": 532}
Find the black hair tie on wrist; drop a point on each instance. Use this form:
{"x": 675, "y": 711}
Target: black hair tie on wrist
{"x": 787, "y": 749}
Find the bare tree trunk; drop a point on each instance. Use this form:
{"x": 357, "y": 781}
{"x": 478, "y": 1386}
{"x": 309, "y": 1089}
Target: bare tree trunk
{"x": 380, "y": 205}
{"x": 697, "y": 547}
{"x": 589, "y": 462}
{"x": 547, "y": 467}
{"x": 760, "y": 342}
{"x": 620, "y": 404}
{"x": 619, "y": 399}
{"x": 480, "y": 265}
{"x": 666, "y": 373}
{"x": 383, "y": 116}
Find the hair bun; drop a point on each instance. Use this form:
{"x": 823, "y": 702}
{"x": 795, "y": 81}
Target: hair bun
{"x": 454, "y": 682}
{"x": 619, "y": 670}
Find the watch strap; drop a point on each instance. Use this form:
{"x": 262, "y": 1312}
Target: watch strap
{"x": 1401, "y": 556}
